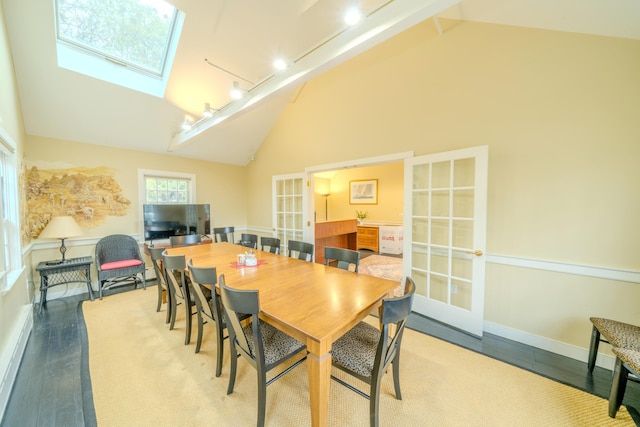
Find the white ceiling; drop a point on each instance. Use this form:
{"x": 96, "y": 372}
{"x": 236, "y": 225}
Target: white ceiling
{"x": 243, "y": 37}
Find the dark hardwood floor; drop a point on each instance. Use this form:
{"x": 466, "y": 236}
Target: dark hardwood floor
{"x": 53, "y": 387}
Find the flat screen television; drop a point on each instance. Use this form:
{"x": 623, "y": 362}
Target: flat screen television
{"x": 164, "y": 221}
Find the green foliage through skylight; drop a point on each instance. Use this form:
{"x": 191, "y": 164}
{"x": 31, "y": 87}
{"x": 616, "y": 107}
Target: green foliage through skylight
{"x": 134, "y": 32}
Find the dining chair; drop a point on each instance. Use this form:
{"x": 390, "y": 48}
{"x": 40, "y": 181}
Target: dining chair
{"x": 180, "y": 292}
{"x": 249, "y": 240}
{"x": 185, "y": 240}
{"x": 344, "y": 257}
{"x": 118, "y": 260}
{"x": 365, "y": 351}
{"x": 211, "y": 309}
{"x": 618, "y": 334}
{"x": 261, "y": 344}
{"x": 163, "y": 289}
{"x": 270, "y": 243}
{"x": 223, "y": 234}
{"x": 300, "y": 250}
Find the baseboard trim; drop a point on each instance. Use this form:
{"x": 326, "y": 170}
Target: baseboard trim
{"x": 12, "y": 354}
{"x": 563, "y": 349}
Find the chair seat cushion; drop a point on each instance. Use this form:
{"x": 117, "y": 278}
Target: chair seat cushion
{"x": 356, "y": 350}
{"x": 618, "y": 334}
{"x": 276, "y": 343}
{"x": 120, "y": 264}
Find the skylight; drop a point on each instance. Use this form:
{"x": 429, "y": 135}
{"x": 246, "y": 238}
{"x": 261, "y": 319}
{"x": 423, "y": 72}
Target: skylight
{"x": 127, "y": 42}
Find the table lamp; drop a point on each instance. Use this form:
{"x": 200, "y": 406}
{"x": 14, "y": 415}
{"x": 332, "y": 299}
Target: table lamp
{"x": 61, "y": 227}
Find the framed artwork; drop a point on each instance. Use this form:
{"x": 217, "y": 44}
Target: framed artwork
{"x": 363, "y": 192}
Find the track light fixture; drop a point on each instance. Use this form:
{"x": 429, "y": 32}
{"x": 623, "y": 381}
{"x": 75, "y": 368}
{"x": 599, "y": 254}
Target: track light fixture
{"x": 236, "y": 91}
{"x": 186, "y": 125}
{"x": 280, "y": 64}
{"x": 208, "y": 111}
{"x": 353, "y": 16}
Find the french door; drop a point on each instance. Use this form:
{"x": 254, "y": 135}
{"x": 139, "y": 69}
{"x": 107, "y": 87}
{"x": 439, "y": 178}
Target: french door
{"x": 289, "y": 215}
{"x": 445, "y": 235}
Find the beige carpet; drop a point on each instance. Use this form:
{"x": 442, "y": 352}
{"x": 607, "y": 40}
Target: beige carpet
{"x": 143, "y": 375}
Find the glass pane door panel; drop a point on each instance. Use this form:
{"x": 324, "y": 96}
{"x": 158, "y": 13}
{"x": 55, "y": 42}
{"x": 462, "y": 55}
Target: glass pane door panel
{"x": 288, "y": 186}
{"x": 462, "y": 234}
{"x": 464, "y": 171}
{"x": 420, "y": 230}
{"x": 463, "y": 203}
{"x": 419, "y": 258}
{"x": 421, "y": 203}
{"x": 440, "y": 203}
{"x": 420, "y": 176}
{"x": 441, "y": 174}
{"x": 297, "y": 204}
{"x": 420, "y": 279}
{"x": 462, "y": 266}
{"x": 438, "y": 289}
{"x": 439, "y": 264}
{"x": 440, "y": 232}
{"x": 461, "y": 294}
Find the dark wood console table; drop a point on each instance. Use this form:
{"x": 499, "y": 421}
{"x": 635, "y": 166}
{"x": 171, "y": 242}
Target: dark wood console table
{"x": 339, "y": 234}
{"x": 54, "y": 273}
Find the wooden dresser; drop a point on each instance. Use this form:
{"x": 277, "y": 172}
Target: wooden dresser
{"x": 368, "y": 237}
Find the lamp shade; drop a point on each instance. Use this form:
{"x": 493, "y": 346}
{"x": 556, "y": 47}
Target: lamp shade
{"x": 61, "y": 227}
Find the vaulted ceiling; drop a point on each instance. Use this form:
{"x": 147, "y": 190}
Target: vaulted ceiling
{"x": 236, "y": 40}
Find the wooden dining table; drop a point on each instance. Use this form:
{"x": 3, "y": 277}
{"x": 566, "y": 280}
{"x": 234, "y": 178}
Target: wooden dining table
{"x": 314, "y": 303}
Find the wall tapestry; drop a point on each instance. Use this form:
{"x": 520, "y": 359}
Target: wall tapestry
{"x": 88, "y": 195}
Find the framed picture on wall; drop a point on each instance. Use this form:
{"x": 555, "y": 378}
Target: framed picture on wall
{"x": 363, "y": 192}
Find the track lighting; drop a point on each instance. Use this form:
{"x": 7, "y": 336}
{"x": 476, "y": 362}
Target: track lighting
{"x": 280, "y": 64}
{"x": 208, "y": 111}
{"x": 353, "y": 16}
{"x": 186, "y": 125}
{"x": 236, "y": 91}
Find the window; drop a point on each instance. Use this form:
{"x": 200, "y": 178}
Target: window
{"x": 10, "y": 252}
{"x": 127, "y": 42}
{"x": 158, "y": 187}
{"x": 161, "y": 187}
{"x": 166, "y": 190}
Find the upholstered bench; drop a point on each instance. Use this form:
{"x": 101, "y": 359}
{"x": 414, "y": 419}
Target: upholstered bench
{"x": 618, "y": 334}
{"x": 627, "y": 361}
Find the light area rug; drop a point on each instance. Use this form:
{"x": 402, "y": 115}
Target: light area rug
{"x": 385, "y": 267}
{"x": 142, "y": 374}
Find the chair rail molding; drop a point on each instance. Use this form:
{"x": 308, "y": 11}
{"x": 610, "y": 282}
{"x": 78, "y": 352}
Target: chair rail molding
{"x": 569, "y": 268}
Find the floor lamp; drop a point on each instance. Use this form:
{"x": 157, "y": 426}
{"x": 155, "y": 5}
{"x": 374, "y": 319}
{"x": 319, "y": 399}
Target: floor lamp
{"x": 326, "y": 206}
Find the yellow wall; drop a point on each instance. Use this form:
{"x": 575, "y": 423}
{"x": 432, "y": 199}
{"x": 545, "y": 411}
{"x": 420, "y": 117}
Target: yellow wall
{"x": 389, "y": 208}
{"x": 559, "y": 114}
{"x": 220, "y": 185}
{"x": 14, "y": 303}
